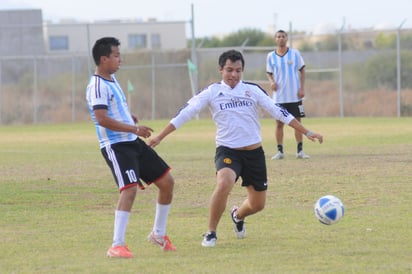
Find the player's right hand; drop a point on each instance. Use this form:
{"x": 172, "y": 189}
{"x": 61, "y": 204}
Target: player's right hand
{"x": 154, "y": 141}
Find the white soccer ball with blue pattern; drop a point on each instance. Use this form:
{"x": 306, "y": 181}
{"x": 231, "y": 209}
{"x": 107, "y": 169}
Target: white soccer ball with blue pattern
{"x": 329, "y": 210}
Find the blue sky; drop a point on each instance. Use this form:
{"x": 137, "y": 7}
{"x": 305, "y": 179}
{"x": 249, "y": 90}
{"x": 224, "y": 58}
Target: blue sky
{"x": 215, "y": 17}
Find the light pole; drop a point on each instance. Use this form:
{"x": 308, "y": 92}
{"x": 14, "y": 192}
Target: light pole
{"x": 340, "y": 68}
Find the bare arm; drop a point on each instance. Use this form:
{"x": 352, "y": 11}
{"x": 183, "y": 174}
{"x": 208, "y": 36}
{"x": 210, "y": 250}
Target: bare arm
{"x": 313, "y": 136}
{"x": 166, "y": 131}
{"x": 105, "y": 121}
{"x": 272, "y": 82}
{"x": 302, "y": 76}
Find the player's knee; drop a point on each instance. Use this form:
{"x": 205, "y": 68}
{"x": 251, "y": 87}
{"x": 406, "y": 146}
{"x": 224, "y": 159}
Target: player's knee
{"x": 258, "y": 206}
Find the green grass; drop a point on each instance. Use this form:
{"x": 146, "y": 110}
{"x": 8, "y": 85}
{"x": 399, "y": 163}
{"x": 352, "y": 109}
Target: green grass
{"x": 57, "y": 200}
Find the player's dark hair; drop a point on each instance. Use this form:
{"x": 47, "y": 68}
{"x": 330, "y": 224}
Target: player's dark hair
{"x": 232, "y": 55}
{"x": 281, "y": 31}
{"x": 103, "y": 47}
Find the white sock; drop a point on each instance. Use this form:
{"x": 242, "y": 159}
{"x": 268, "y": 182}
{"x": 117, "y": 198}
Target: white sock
{"x": 162, "y": 213}
{"x": 121, "y": 218}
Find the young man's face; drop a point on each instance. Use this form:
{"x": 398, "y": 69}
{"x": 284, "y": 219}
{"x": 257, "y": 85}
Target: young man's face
{"x": 112, "y": 63}
{"x": 232, "y": 72}
{"x": 281, "y": 39}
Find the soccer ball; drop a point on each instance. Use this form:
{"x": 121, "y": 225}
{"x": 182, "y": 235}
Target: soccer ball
{"x": 329, "y": 210}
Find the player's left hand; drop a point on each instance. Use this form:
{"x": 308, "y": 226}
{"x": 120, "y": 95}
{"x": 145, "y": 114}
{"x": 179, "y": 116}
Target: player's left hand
{"x": 154, "y": 141}
{"x": 315, "y": 136}
{"x": 301, "y": 93}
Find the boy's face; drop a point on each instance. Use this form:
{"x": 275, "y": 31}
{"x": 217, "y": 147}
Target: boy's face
{"x": 112, "y": 63}
{"x": 281, "y": 39}
{"x": 232, "y": 72}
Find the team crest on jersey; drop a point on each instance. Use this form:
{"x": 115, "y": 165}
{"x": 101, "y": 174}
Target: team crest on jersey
{"x": 290, "y": 62}
{"x": 247, "y": 93}
{"x": 227, "y": 161}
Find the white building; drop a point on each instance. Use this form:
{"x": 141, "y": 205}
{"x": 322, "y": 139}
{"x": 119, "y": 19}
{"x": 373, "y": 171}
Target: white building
{"x": 78, "y": 37}
{"x": 23, "y": 32}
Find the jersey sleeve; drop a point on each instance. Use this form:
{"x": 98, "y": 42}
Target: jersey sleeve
{"x": 269, "y": 65}
{"x": 191, "y": 108}
{"x": 301, "y": 62}
{"x": 98, "y": 94}
{"x": 273, "y": 109}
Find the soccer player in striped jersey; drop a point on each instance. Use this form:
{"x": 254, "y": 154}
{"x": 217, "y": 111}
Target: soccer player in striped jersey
{"x": 234, "y": 105}
{"x": 130, "y": 159}
{"x": 285, "y": 70}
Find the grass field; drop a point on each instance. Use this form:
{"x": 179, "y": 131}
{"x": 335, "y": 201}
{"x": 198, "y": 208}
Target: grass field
{"x": 57, "y": 202}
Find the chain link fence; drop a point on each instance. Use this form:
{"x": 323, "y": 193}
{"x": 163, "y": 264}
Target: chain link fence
{"x": 347, "y": 80}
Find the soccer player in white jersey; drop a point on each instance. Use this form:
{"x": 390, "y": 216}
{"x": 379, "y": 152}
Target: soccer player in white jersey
{"x": 285, "y": 70}
{"x": 129, "y": 158}
{"x": 239, "y": 153}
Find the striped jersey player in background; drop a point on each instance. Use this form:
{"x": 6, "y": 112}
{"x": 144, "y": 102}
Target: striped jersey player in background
{"x": 285, "y": 70}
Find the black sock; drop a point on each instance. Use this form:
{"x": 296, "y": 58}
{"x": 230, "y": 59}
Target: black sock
{"x": 280, "y": 148}
{"x": 300, "y": 147}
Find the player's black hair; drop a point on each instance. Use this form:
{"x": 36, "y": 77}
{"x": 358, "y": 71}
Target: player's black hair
{"x": 103, "y": 47}
{"x": 282, "y": 31}
{"x": 232, "y": 55}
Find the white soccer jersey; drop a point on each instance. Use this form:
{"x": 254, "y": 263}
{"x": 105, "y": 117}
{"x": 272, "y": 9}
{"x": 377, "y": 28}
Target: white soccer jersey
{"x": 235, "y": 112}
{"x": 285, "y": 71}
{"x": 106, "y": 94}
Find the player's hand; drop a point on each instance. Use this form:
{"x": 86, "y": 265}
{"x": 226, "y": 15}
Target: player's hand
{"x": 313, "y": 136}
{"x": 154, "y": 141}
{"x": 301, "y": 93}
{"x": 144, "y": 131}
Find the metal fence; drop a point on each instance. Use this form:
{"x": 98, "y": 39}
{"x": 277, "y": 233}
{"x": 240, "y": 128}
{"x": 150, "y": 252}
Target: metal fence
{"x": 342, "y": 81}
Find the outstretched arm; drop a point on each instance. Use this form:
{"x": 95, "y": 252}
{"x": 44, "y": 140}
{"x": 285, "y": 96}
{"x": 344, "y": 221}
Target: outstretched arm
{"x": 313, "y": 136}
{"x": 105, "y": 121}
{"x": 166, "y": 131}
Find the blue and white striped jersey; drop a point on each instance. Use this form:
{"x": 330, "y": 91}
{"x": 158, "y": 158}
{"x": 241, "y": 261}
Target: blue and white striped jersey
{"x": 235, "y": 112}
{"x": 285, "y": 71}
{"x": 106, "y": 94}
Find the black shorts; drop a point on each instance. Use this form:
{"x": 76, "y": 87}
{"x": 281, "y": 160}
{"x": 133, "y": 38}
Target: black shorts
{"x": 248, "y": 164}
{"x": 295, "y": 108}
{"x": 132, "y": 161}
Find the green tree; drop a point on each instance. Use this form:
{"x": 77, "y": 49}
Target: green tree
{"x": 306, "y": 46}
{"x": 385, "y": 41}
{"x": 251, "y": 38}
{"x": 206, "y": 42}
{"x": 267, "y": 41}
{"x": 380, "y": 71}
{"x": 405, "y": 40}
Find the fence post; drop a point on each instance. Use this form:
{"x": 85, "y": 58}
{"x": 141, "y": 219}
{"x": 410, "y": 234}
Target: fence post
{"x": 340, "y": 72}
{"x": 35, "y": 89}
{"x": 398, "y": 66}
{"x": 1, "y": 84}
{"x": 153, "y": 86}
{"x": 73, "y": 89}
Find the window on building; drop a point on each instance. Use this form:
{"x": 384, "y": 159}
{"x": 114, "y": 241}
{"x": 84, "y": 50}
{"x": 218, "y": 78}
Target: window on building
{"x": 137, "y": 41}
{"x": 59, "y": 43}
{"x": 155, "y": 39}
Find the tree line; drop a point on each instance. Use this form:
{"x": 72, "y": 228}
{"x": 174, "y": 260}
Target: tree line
{"x": 328, "y": 42}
